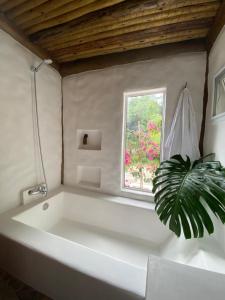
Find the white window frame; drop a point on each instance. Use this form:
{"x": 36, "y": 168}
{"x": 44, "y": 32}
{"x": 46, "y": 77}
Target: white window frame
{"x": 221, "y": 116}
{"x": 126, "y": 95}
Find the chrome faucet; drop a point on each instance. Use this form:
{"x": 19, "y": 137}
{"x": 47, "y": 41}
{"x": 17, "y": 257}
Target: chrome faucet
{"x": 39, "y": 189}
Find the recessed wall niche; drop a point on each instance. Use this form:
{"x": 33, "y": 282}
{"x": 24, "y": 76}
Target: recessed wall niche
{"x": 89, "y": 176}
{"x": 89, "y": 139}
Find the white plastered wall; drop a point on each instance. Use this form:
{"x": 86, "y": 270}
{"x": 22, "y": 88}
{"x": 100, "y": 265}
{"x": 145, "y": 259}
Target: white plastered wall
{"x": 214, "y": 141}
{"x": 215, "y": 129}
{"x": 17, "y": 156}
{"x": 94, "y": 100}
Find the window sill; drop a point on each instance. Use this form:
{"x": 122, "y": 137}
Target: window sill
{"x": 133, "y": 191}
{"x": 138, "y": 195}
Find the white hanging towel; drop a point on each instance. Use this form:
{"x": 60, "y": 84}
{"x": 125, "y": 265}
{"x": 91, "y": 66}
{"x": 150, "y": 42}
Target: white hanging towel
{"x": 183, "y": 136}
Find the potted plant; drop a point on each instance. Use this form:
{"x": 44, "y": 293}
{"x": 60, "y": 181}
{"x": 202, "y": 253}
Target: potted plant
{"x": 186, "y": 191}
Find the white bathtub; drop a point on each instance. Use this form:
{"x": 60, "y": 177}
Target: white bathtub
{"x": 93, "y": 246}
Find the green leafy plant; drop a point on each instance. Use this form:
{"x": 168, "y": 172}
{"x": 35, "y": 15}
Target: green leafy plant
{"x": 186, "y": 192}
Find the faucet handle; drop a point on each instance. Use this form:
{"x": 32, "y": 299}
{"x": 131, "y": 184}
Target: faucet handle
{"x": 39, "y": 189}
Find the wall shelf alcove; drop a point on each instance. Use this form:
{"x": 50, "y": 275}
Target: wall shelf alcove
{"x": 89, "y": 139}
{"x": 89, "y": 176}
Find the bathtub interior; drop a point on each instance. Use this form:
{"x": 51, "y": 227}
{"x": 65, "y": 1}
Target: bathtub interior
{"x": 118, "y": 230}
{"x": 125, "y": 232}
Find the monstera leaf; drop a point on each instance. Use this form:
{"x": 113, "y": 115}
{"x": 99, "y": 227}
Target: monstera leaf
{"x": 186, "y": 192}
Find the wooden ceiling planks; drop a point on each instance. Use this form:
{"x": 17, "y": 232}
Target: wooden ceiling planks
{"x": 66, "y": 17}
{"x": 171, "y": 38}
{"x": 3, "y": 1}
{"x": 25, "y": 7}
{"x": 7, "y": 5}
{"x": 48, "y": 11}
{"x": 132, "y": 25}
{"x": 120, "y": 13}
{"x": 72, "y": 30}
{"x": 117, "y": 20}
{"x": 156, "y": 39}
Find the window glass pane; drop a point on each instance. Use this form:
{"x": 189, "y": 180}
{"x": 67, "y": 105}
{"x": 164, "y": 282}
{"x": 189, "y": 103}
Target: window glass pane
{"x": 142, "y": 140}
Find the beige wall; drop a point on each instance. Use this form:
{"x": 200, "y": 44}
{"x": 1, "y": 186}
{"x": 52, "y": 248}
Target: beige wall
{"x": 94, "y": 100}
{"x": 17, "y": 156}
{"x": 215, "y": 129}
{"x": 214, "y": 141}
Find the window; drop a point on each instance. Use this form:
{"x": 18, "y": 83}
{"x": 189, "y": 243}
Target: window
{"x": 142, "y": 135}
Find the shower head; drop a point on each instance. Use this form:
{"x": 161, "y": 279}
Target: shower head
{"x": 46, "y": 61}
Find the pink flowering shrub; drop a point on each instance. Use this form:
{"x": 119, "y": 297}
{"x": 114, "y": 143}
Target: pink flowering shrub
{"x": 151, "y": 126}
{"x": 142, "y": 156}
{"x": 127, "y": 158}
{"x": 143, "y": 135}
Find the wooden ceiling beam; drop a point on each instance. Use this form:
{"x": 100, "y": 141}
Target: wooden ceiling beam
{"x": 105, "y": 61}
{"x": 24, "y": 7}
{"x": 120, "y": 13}
{"x": 138, "y": 24}
{"x": 217, "y": 26}
{"x": 70, "y": 15}
{"x": 49, "y": 10}
{"x": 11, "y": 4}
{"x": 135, "y": 44}
{"x": 8, "y": 27}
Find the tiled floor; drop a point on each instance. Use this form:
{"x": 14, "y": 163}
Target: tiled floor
{"x": 13, "y": 289}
